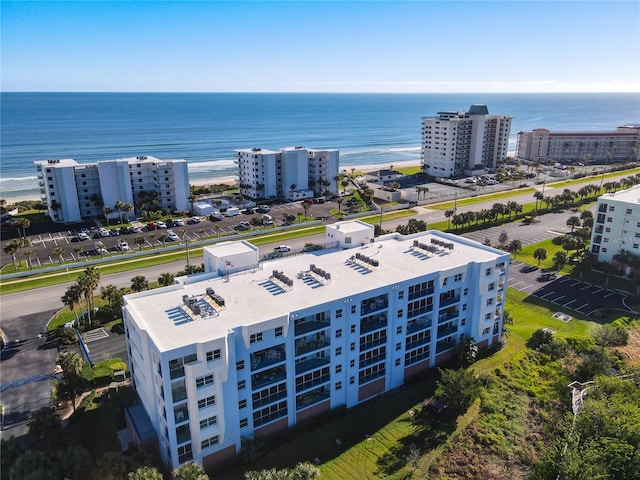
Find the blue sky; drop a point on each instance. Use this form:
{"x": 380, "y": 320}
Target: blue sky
{"x": 366, "y": 46}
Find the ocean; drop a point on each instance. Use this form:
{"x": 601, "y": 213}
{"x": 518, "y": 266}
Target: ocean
{"x": 206, "y": 128}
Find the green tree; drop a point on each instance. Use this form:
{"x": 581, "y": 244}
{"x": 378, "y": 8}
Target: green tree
{"x": 560, "y": 259}
{"x": 88, "y": 281}
{"x": 23, "y": 223}
{"x": 457, "y": 388}
{"x": 139, "y": 283}
{"x": 10, "y": 451}
{"x": 75, "y": 462}
{"x": 114, "y": 297}
{"x": 190, "y": 471}
{"x": 503, "y": 238}
{"x": 305, "y": 206}
{"x": 11, "y": 248}
{"x": 58, "y": 252}
{"x": 71, "y": 364}
{"x": 166, "y": 279}
{"x": 611, "y": 335}
{"x": 35, "y": 465}
{"x": 573, "y": 221}
{"x": 45, "y": 428}
{"x": 514, "y": 247}
{"x": 145, "y": 473}
{"x": 140, "y": 241}
{"x": 72, "y": 298}
{"x": 540, "y": 254}
{"x": 466, "y": 352}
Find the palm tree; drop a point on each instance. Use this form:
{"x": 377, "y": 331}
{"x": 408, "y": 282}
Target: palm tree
{"x": 151, "y": 237}
{"x": 339, "y": 201}
{"x": 166, "y": 279}
{"x": 45, "y": 428}
{"x": 306, "y": 207}
{"x": 72, "y": 298}
{"x": 11, "y": 249}
{"x": 107, "y": 211}
{"x": 88, "y": 281}
{"x": 71, "y": 364}
{"x": 217, "y": 229}
{"x": 449, "y": 213}
{"x": 23, "y": 223}
{"x": 140, "y": 241}
{"x": 29, "y": 254}
{"x": 145, "y": 473}
{"x": 560, "y": 259}
{"x": 78, "y": 249}
{"x": 190, "y": 471}
{"x": 573, "y": 221}
{"x": 514, "y": 247}
{"x": 127, "y": 207}
{"x": 139, "y": 283}
{"x": 119, "y": 206}
{"x": 540, "y": 254}
{"x": 59, "y": 251}
{"x": 163, "y": 238}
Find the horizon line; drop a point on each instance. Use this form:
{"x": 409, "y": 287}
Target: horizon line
{"x": 323, "y": 92}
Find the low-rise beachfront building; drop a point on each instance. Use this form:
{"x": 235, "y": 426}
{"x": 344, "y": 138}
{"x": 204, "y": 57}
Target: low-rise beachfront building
{"x": 457, "y": 142}
{"x": 616, "y": 225}
{"x": 250, "y": 348}
{"x": 293, "y": 173}
{"x": 543, "y": 146}
{"x": 76, "y": 191}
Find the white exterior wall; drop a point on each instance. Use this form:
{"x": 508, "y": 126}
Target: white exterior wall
{"x": 295, "y": 171}
{"x": 115, "y": 183}
{"x": 616, "y": 224}
{"x": 286, "y": 355}
{"x": 259, "y": 173}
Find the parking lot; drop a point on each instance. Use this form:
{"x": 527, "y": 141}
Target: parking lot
{"x": 566, "y": 292}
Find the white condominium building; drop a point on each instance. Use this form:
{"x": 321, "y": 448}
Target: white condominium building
{"x": 455, "y": 142}
{"x": 250, "y": 348}
{"x": 293, "y": 173}
{"x": 542, "y": 146}
{"x": 616, "y": 224}
{"x": 76, "y": 191}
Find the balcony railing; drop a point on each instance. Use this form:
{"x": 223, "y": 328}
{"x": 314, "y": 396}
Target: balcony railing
{"x": 311, "y": 398}
{"x": 311, "y": 346}
{"x": 373, "y": 323}
{"x": 444, "y": 346}
{"x": 311, "y": 364}
{"x": 308, "y": 327}
{"x": 267, "y": 358}
{"x": 418, "y": 325}
{"x": 443, "y": 332}
{"x": 373, "y": 306}
{"x": 181, "y": 414}
{"x": 179, "y": 394}
{"x": 262, "y": 379}
{"x": 445, "y": 302}
{"x": 443, "y": 317}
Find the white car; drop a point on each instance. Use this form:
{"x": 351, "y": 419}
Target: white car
{"x": 194, "y": 220}
{"x": 160, "y": 224}
{"x": 104, "y": 232}
{"x": 172, "y": 236}
{"x": 282, "y": 249}
{"x": 178, "y": 223}
{"x": 124, "y": 247}
{"x": 82, "y": 236}
{"x": 135, "y": 230}
{"x": 102, "y": 251}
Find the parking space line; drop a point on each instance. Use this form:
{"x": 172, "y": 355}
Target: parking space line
{"x": 580, "y": 308}
{"x": 570, "y": 302}
{"x": 547, "y": 294}
{"x": 585, "y": 288}
{"x": 556, "y": 300}
{"x": 576, "y": 283}
{"x": 599, "y": 290}
{"x": 612, "y": 293}
{"x": 565, "y": 280}
{"x": 528, "y": 286}
{"x": 517, "y": 283}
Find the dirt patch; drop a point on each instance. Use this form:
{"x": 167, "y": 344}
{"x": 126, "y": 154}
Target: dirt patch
{"x": 631, "y": 351}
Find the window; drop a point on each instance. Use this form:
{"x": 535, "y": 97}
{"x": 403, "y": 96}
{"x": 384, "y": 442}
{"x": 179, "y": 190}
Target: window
{"x": 255, "y": 337}
{"x": 609, "y": 219}
{"x": 397, "y": 362}
{"x": 213, "y": 355}
{"x": 611, "y": 208}
{"x": 489, "y": 302}
{"x": 185, "y": 453}
{"x": 339, "y": 313}
{"x": 278, "y": 331}
{"x": 446, "y": 280}
{"x": 487, "y": 316}
{"x": 488, "y": 272}
{"x": 352, "y": 347}
{"x": 190, "y": 358}
{"x": 338, "y": 351}
{"x": 208, "y": 422}
{"x": 353, "y": 309}
{"x": 486, "y": 330}
{"x": 242, "y": 384}
{"x": 204, "y": 381}
{"x": 352, "y": 380}
{"x": 242, "y": 404}
{"x": 240, "y": 365}
{"x": 629, "y": 211}
{"x": 206, "y": 402}
{"x": 352, "y": 363}
{"x": 338, "y": 385}
{"x": 338, "y": 368}
{"x": 400, "y": 313}
{"x": 398, "y": 346}
{"x": 466, "y": 291}
{"x": 401, "y": 294}
{"x": 464, "y": 307}
{"x": 399, "y": 330}
{"x": 463, "y": 321}
{"x": 353, "y": 328}
{"x": 492, "y": 287}
{"x": 457, "y": 277}
{"x": 244, "y": 422}
{"x": 209, "y": 442}
{"x": 339, "y": 333}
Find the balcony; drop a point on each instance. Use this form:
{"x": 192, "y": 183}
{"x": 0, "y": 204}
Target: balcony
{"x": 445, "y": 302}
{"x": 373, "y": 305}
{"x": 446, "y": 331}
{"x": 311, "y": 364}
{"x": 372, "y": 343}
{"x": 267, "y": 357}
{"x": 421, "y": 323}
{"x": 374, "y": 322}
{"x": 178, "y": 394}
{"x": 308, "y": 345}
{"x": 263, "y": 379}
{"x": 444, "y": 346}
{"x": 319, "y": 380}
{"x": 308, "y": 327}
{"x": 443, "y": 317}
{"x": 311, "y": 398}
{"x": 176, "y": 373}
{"x": 183, "y": 434}
{"x": 181, "y": 414}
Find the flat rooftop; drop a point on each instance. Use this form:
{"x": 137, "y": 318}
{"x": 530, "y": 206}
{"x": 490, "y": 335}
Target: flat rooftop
{"x": 252, "y": 297}
{"x": 631, "y": 195}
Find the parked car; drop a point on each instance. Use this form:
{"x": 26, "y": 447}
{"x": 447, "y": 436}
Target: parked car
{"x": 103, "y": 232}
{"x": 193, "y": 220}
{"x": 172, "y": 236}
{"x": 115, "y": 232}
{"x": 248, "y": 211}
{"x": 101, "y": 251}
{"x": 124, "y": 247}
{"x": 161, "y": 224}
{"x": 267, "y": 220}
{"x": 135, "y": 230}
{"x": 242, "y": 226}
{"x": 282, "y": 249}
{"x": 82, "y": 236}
{"x": 264, "y": 209}
{"x": 178, "y": 223}
{"x": 215, "y": 217}
{"x": 151, "y": 226}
